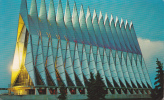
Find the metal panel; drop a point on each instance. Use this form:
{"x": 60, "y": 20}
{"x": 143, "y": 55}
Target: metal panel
{"x": 94, "y": 50}
{"x": 134, "y": 67}
{"x": 115, "y": 35}
{"x": 63, "y": 48}
{"x": 60, "y": 22}
{"x": 80, "y": 49}
{"x": 40, "y": 64}
{"x": 106, "y": 41}
{"x": 77, "y": 66}
{"x": 35, "y": 39}
{"x": 125, "y": 35}
{"x": 50, "y": 63}
{"x": 29, "y": 62}
{"x": 45, "y": 41}
{"x": 101, "y": 51}
{"x": 130, "y": 70}
{"x": 107, "y": 51}
{"x": 68, "y": 23}
{"x": 34, "y": 18}
{"x": 92, "y": 65}
{"x": 24, "y": 13}
{"x": 100, "y": 68}
{"x": 85, "y": 66}
{"x": 119, "y": 70}
{"x": 113, "y": 70}
{"x": 92, "y": 36}
{"x": 140, "y": 71}
{"x": 133, "y": 33}
{"x": 59, "y": 65}
{"x": 84, "y": 26}
{"x": 52, "y": 20}
{"x": 97, "y": 30}
{"x": 44, "y": 30}
{"x": 125, "y": 71}
{"x": 122, "y": 42}
{"x": 76, "y": 25}
{"x": 146, "y": 72}
{"x": 69, "y": 66}
{"x": 72, "y": 49}
{"x": 87, "y": 49}
{"x": 106, "y": 69}
{"x": 130, "y": 37}
{"x": 109, "y": 32}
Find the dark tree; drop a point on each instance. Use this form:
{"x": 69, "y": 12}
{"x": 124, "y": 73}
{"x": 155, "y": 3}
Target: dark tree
{"x": 96, "y": 88}
{"x": 158, "y": 91}
{"x": 91, "y": 87}
{"x": 63, "y": 93}
{"x": 159, "y": 79}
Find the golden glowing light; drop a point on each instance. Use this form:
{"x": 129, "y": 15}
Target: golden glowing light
{"x": 19, "y": 56}
{"x": 16, "y": 62}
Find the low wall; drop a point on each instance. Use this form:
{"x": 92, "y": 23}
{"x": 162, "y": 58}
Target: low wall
{"x": 71, "y": 97}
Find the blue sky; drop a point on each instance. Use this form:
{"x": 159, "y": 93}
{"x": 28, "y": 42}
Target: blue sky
{"x": 147, "y": 17}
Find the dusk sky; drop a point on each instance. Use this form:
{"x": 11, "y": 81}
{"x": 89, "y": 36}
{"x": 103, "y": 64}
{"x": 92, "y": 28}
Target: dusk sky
{"x": 146, "y": 15}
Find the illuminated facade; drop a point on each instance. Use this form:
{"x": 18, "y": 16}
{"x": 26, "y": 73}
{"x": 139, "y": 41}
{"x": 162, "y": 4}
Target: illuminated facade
{"x": 65, "y": 48}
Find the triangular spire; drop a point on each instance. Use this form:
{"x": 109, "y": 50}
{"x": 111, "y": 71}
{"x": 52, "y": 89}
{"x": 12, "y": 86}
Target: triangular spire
{"x": 106, "y": 40}
{"x": 52, "y": 20}
{"x": 126, "y": 24}
{"x": 69, "y": 66}
{"x": 51, "y": 13}
{"x": 68, "y": 23}
{"x": 81, "y": 12}
{"x": 94, "y": 15}
{"x": 59, "y": 11}
{"x": 83, "y": 26}
{"x": 100, "y": 16}
{"x": 90, "y": 28}
{"x": 97, "y": 30}
{"x": 88, "y": 13}
{"x": 24, "y": 12}
{"x": 67, "y": 10}
{"x": 106, "y": 18}
{"x": 120, "y": 37}
{"x": 76, "y": 25}
{"x": 34, "y": 17}
{"x": 131, "y": 24}
{"x": 74, "y": 10}
{"x": 43, "y": 12}
{"x": 122, "y": 27}
{"x": 133, "y": 33}
{"x": 111, "y": 18}
{"x": 67, "y": 16}
{"x": 60, "y": 22}
{"x": 122, "y": 22}
{"x": 33, "y": 9}
{"x": 116, "y": 21}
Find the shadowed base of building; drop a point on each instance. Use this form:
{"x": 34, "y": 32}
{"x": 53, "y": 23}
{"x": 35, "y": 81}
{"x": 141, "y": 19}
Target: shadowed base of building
{"x": 76, "y": 97}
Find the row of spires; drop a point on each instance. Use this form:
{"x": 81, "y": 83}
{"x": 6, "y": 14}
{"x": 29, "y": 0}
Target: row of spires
{"x": 60, "y": 20}
{"x": 33, "y": 3}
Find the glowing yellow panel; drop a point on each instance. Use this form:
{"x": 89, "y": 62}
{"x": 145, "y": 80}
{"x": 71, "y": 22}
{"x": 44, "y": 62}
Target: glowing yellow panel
{"x": 19, "y": 56}
{"x": 20, "y": 26}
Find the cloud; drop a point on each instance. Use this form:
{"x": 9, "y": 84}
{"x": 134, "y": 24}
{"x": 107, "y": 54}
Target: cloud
{"x": 152, "y": 50}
